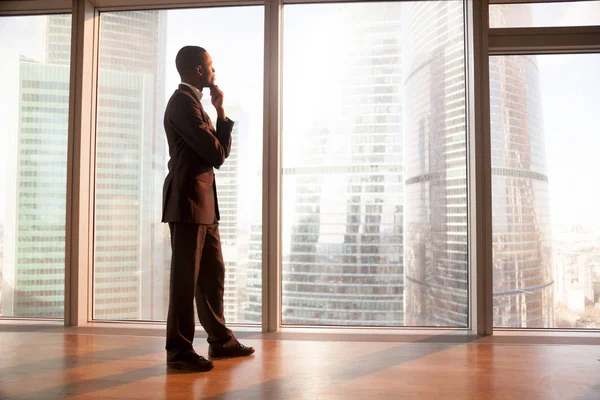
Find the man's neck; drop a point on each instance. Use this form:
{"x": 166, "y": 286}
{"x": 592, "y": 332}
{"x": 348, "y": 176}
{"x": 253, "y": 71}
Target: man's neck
{"x": 197, "y": 92}
{"x": 191, "y": 84}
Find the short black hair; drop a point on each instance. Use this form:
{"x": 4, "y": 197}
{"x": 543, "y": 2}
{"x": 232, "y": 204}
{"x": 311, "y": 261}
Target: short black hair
{"x": 188, "y": 58}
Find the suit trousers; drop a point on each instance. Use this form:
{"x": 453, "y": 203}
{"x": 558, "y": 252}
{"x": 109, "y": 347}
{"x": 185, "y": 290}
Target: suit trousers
{"x": 197, "y": 272}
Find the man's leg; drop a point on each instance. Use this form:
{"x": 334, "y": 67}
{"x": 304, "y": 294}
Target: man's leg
{"x": 186, "y": 245}
{"x": 210, "y": 288}
{"x": 209, "y": 299}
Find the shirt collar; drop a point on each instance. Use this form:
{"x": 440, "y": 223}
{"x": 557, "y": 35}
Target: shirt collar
{"x": 197, "y": 92}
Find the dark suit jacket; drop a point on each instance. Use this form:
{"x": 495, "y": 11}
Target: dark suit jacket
{"x": 195, "y": 147}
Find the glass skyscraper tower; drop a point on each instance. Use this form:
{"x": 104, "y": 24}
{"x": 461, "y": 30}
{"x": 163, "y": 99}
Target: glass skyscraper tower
{"x": 522, "y": 245}
{"x": 35, "y": 263}
{"x": 436, "y": 209}
{"x": 131, "y": 244}
{"x": 344, "y": 265}
{"x": 435, "y": 215}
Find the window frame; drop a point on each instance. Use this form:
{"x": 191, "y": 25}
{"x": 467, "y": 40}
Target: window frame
{"x": 481, "y": 43}
{"x": 533, "y": 41}
{"x": 20, "y": 8}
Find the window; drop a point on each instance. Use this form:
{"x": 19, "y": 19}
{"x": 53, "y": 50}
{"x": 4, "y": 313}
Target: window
{"x": 137, "y": 76}
{"x": 576, "y": 13}
{"x": 34, "y": 106}
{"x": 374, "y": 221}
{"x": 374, "y": 165}
{"x": 546, "y": 230}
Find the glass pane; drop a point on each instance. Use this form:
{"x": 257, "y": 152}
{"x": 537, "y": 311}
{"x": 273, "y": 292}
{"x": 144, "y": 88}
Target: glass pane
{"x": 374, "y": 177}
{"x": 546, "y": 226}
{"x": 137, "y": 75}
{"x": 34, "y": 110}
{"x": 577, "y": 13}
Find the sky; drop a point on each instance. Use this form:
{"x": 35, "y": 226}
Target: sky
{"x": 570, "y": 92}
{"x": 234, "y": 37}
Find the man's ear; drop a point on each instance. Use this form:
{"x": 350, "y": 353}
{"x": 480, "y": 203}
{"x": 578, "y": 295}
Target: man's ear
{"x": 199, "y": 70}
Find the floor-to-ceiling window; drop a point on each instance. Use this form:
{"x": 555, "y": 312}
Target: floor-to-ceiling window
{"x": 546, "y": 233}
{"x": 34, "y": 105}
{"x": 374, "y": 161}
{"x": 136, "y": 77}
{"x": 374, "y": 227}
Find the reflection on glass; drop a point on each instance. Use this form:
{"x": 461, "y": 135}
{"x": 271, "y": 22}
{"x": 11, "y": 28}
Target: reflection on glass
{"x": 545, "y": 227}
{"x": 576, "y": 13}
{"x": 137, "y": 75}
{"x": 374, "y": 178}
{"x": 34, "y": 106}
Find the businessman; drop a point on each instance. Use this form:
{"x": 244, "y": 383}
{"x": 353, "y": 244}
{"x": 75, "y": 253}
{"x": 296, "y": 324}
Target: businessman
{"x": 191, "y": 208}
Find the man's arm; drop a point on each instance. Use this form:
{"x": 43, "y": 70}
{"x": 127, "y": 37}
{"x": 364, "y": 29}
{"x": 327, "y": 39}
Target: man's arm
{"x": 224, "y": 129}
{"x": 224, "y": 124}
{"x": 196, "y": 132}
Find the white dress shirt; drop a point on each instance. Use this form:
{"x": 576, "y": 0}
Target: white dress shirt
{"x": 197, "y": 92}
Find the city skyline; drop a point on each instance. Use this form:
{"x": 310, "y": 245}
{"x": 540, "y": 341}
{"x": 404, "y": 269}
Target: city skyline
{"x": 567, "y": 280}
{"x": 343, "y": 260}
{"x": 555, "y": 86}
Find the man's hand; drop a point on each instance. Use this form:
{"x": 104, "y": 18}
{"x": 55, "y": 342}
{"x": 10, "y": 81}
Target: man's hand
{"x": 216, "y": 97}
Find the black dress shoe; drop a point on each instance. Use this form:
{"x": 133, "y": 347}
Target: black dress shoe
{"x": 233, "y": 348}
{"x": 189, "y": 361}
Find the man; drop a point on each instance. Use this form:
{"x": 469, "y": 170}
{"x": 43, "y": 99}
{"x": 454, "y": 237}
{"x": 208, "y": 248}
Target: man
{"x": 191, "y": 209}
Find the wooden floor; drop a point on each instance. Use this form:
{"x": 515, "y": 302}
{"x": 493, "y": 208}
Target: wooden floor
{"x": 38, "y": 362}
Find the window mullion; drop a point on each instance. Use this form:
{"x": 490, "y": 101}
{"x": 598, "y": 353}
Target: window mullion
{"x": 271, "y": 226}
{"x": 78, "y": 257}
{"x": 479, "y": 166}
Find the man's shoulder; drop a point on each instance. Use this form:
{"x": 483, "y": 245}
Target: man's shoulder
{"x": 182, "y": 98}
{"x": 182, "y": 95}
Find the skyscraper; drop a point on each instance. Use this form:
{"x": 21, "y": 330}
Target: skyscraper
{"x": 344, "y": 265}
{"x": 522, "y": 253}
{"x": 34, "y": 271}
{"x": 58, "y": 39}
{"x": 253, "y": 298}
{"x": 130, "y": 267}
{"x": 125, "y": 196}
{"x": 435, "y": 213}
{"x": 523, "y": 281}
{"x": 227, "y": 178}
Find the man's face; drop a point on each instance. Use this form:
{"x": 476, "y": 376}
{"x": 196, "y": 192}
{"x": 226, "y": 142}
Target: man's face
{"x": 208, "y": 72}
